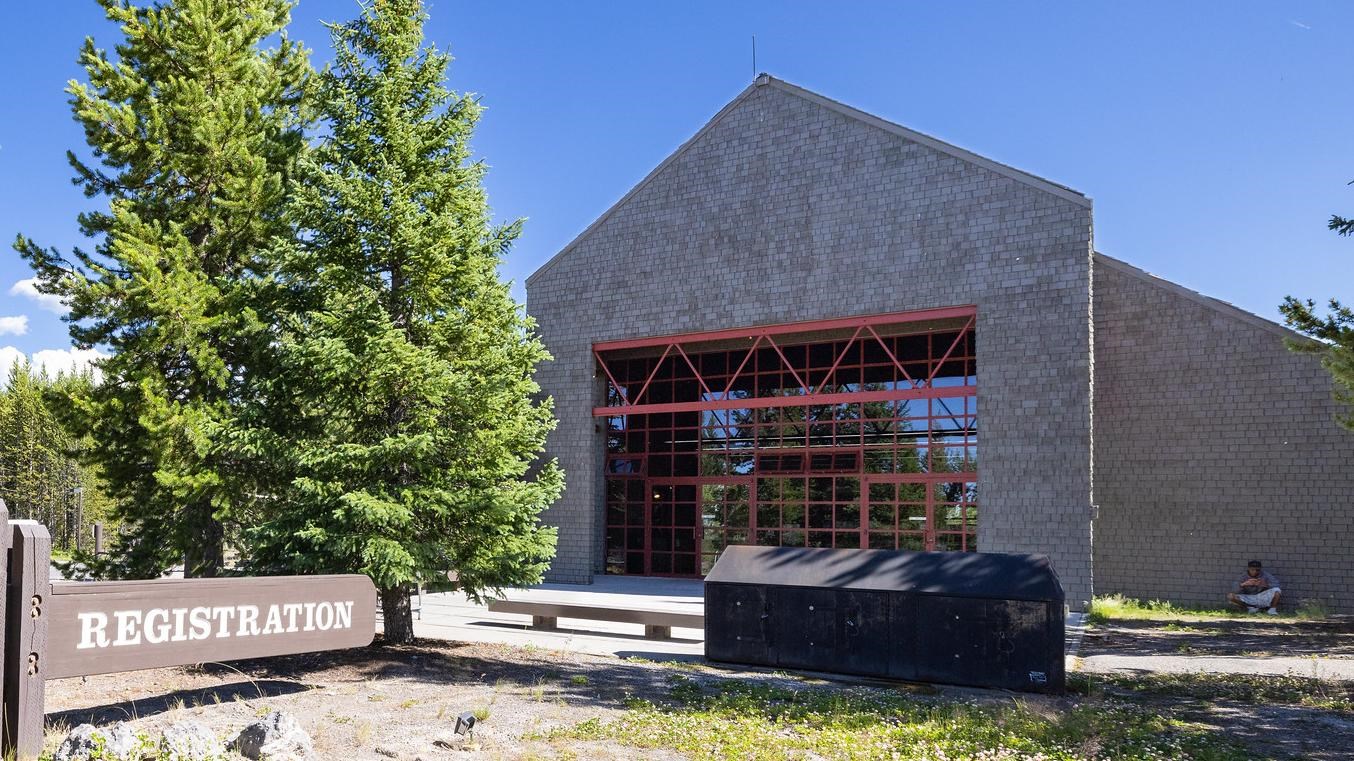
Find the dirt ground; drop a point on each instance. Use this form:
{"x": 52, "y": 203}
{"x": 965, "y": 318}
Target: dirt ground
{"x": 1253, "y": 636}
{"x": 401, "y": 702}
{"x": 1271, "y": 727}
{"x": 372, "y": 703}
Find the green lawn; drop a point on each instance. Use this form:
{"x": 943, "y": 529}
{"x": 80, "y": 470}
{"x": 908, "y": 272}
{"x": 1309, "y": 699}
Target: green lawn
{"x": 1112, "y": 607}
{"x": 736, "y": 719}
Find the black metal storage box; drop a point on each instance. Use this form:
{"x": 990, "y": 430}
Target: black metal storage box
{"x": 981, "y": 619}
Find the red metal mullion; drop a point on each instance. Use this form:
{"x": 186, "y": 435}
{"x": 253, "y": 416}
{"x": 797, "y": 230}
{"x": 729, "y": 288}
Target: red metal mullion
{"x": 793, "y": 327}
{"x": 610, "y": 377}
{"x": 929, "y": 535}
{"x": 842, "y": 356}
{"x": 739, "y": 371}
{"x": 658, "y": 365}
{"x": 889, "y": 352}
{"x": 963, "y": 332}
{"x": 802, "y": 385}
{"x": 728, "y": 434}
{"x": 636, "y": 408}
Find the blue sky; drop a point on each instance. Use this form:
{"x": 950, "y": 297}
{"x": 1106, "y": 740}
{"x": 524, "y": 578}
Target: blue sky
{"x": 1215, "y": 138}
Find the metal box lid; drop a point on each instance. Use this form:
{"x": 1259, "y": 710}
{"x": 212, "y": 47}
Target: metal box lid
{"x": 956, "y": 574}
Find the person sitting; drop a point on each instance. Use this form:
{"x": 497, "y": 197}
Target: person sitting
{"x": 1258, "y": 589}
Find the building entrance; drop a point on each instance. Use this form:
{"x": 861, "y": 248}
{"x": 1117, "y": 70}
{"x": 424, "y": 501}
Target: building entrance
{"x": 857, "y": 433}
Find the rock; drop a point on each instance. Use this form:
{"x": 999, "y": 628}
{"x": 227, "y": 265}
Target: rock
{"x": 122, "y": 742}
{"x": 190, "y": 741}
{"x": 275, "y": 737}
{"x": 118, "y": 743}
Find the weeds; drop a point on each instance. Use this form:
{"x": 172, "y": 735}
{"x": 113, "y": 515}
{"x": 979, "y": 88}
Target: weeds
{"x": 739, "y": 720}
{"x": 1111, "y": 607}
{"x": 1257, "y": 689}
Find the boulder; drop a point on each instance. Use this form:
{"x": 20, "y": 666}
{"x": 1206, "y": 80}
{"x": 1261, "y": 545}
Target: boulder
{"x": 190, "y": 741}
{"x": 275, "y": 737}
{"x": 118, "y": 743}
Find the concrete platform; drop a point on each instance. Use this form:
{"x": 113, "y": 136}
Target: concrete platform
{"x": 450, "y": 616}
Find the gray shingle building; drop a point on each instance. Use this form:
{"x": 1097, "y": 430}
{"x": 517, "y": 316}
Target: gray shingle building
{"x": 812, "y": 327}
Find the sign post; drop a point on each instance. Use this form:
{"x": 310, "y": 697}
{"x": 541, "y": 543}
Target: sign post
{"x": 54, "y": 630}
{"x": 26, "y": 638}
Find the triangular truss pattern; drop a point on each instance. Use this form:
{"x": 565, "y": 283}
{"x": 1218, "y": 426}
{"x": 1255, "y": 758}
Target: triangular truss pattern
{"x": 805, "y": 391}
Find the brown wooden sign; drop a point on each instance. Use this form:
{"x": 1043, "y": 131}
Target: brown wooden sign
{"x": 70, "y": 628}
{"x": 106, "y": 626}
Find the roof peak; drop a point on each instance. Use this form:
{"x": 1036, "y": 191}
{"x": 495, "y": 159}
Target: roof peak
{"x": 766, "y": 80}
{"x": 1063, "y": 191}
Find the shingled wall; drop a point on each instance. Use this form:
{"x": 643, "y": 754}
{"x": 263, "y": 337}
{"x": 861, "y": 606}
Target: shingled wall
{"x": 1214, "y": 445}
{"x": 789, "y": 207}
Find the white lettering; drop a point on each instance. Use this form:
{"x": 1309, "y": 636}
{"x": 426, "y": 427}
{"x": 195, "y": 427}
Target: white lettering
{"x": 274, "y": 622}
{"x": 92, "y": 634}
{"x": 223, "y": 616}
{"x": 200, "y": 619}
{"x": 249, "y": 621}
{"x": 179, "y": 634}
{"x": 324, "y": 616}
{"x": 291, "y": 609}
{"x": 344, "y": 615}
{"x": 128, "y": 626}
{"x": 157, "y": 633}
{"x": 157, "y": 626}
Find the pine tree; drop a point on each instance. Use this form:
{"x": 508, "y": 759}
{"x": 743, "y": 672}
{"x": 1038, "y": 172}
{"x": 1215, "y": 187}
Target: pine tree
{"x": 194, "y": 126}
{"x": 400, "y": 426}
{"x": 40, "y": 476}
{"x": 1333, "y": 334}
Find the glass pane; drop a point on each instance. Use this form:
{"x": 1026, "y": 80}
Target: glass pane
{"x": 848, "y": 516}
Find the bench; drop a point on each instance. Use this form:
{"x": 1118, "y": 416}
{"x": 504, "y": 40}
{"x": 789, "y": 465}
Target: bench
{"x": 546, "y": 614}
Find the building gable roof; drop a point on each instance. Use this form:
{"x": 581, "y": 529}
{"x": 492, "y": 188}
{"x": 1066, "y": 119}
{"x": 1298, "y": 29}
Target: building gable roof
{"x": 765, "y": 80}
{"x": 1217, "y": 305}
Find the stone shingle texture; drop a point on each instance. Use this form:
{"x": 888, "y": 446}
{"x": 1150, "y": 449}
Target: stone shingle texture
{"x": 1214, "y": 445}
{"x": 782, "y": 210}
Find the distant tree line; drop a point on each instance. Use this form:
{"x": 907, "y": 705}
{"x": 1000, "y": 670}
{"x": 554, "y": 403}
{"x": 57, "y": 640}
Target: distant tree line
{"x": 42, "y": 476}
{"x": 312, "y": 362}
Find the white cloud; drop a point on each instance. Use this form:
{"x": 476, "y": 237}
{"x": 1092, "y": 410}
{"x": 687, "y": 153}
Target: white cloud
{"x": 8, "y": 356}
{"x": 29, "y": 290}
{"x": 52, "y": 361}
{"x": 14, "y": 326}
{"x": 65, "y": 361}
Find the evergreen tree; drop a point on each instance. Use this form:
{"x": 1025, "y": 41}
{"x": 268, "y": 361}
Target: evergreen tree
{"x": 398, "y": 430}
{"x": 1334, "y": 334}
{"x": 40, "y": 476}
{"x": 194, "y": 126}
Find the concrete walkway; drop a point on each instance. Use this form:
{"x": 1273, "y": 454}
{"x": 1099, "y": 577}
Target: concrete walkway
{"x": 1306, "y": 666}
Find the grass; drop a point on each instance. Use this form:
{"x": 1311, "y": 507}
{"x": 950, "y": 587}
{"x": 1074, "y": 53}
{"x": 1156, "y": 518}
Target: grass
{"x": 1257, "y": 689}
{"x": 1111, "y": 607}
{"x": 732, "y": 719}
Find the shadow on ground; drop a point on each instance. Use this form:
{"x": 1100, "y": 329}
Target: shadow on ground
{"x": 1259, "y": 638}
{"x": 157, "y": 704}
{"x": 459, "y": 664}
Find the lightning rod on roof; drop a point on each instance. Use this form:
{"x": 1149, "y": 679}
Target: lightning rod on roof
{"x": 754, "y": 56}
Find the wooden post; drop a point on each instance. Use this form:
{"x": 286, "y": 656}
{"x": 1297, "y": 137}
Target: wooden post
{"x": 98, "y": 539}
{"x": 4, "y": 593}
{"x": 26, "y": 640}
